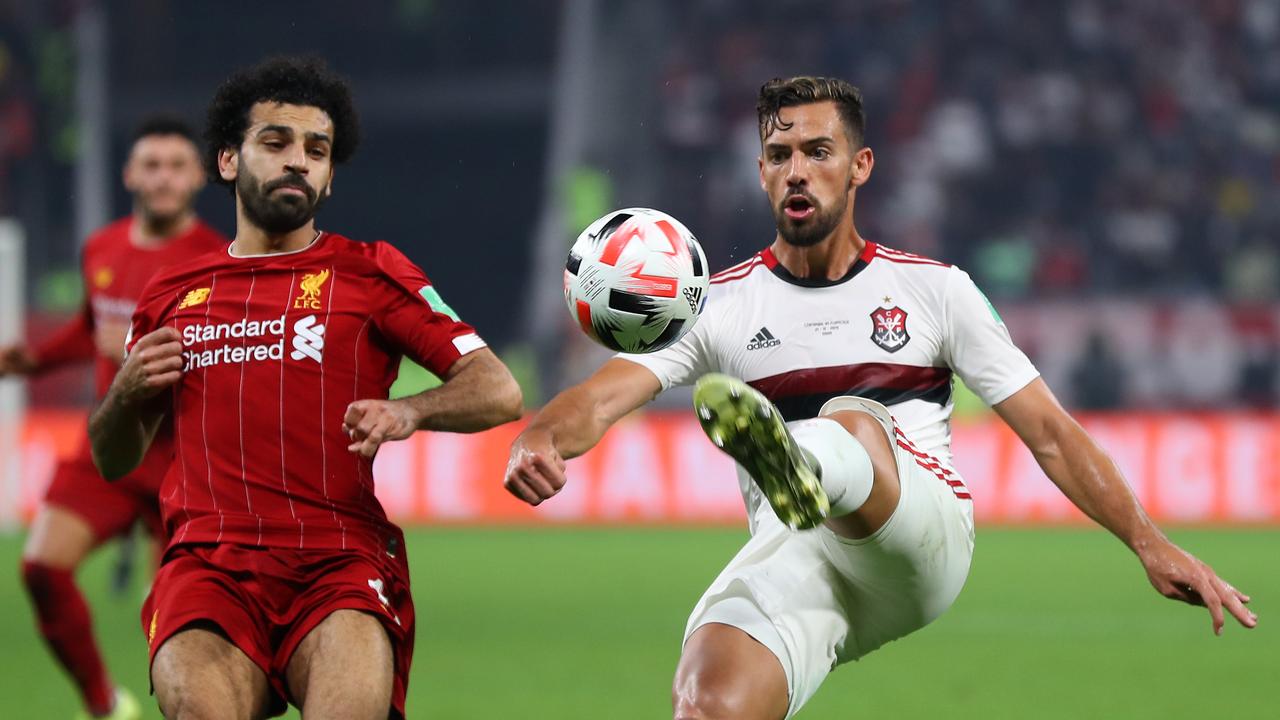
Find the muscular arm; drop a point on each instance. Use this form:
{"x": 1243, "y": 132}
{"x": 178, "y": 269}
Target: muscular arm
{"x": 572, "y": 423}
{"x": 1092, "y": 481}
{"x": 123, "y": 425}
{"x": 478, "y": 393}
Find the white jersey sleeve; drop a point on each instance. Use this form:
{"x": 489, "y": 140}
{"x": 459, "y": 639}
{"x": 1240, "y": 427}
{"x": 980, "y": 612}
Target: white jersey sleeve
{"x": 978, "y": 347}
{"x": 686, "y": 360}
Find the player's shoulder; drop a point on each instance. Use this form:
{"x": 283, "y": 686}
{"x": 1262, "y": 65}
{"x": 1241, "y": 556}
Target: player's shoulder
{"x": 736, "y": 277}
{"x": 205, "y": 238}
{"x": 377, "y": 261}
{"x": 112, "y": 235}
{"x": 372, "y": 254}
{"x": 906, "y": 261}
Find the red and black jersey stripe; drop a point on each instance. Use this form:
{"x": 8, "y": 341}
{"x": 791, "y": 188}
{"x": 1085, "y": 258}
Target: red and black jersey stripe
{"x": 801, "y": 393}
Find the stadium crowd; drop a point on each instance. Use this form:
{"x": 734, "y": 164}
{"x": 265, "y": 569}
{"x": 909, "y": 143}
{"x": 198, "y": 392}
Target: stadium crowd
{"x": 1054, "y": 149}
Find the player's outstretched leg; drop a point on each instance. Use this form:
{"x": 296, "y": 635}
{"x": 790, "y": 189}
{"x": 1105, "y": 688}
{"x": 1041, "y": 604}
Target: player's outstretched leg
{"x": 821, "y": 470}
{"x": 344, "y": 669}
{"x": 58, "y": 543}
{"x": 724, "y": 673}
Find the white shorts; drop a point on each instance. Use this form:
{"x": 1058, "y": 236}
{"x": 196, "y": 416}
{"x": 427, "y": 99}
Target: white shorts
{"x": 817, "y": 600}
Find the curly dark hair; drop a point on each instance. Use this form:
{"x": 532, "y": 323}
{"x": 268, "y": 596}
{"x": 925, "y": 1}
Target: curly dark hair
{"x": 779, "y": 93}
{"x": 164, "y": 124}
{"x": 293, "y": 80}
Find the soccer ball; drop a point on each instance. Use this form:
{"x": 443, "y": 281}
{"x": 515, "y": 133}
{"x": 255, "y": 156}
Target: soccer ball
{"x": 636, "y": 280}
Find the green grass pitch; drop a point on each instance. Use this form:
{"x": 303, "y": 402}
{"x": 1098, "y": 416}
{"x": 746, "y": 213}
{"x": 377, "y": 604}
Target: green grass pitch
{"x": 586, "y": 623}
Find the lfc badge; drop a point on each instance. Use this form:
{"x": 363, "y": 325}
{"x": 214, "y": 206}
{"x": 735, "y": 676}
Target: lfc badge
{"x": 889, "y": 328}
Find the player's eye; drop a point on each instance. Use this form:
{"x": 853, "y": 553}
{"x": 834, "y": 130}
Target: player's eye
{"x": 318, "y": 153}
{"x": 821, "y": 153}
{"x": 777, "y": 157}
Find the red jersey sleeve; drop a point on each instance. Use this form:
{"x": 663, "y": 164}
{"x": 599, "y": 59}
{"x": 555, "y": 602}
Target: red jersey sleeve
{"x": 410, "y": 313}
{"x": 151, "y": 311}
{"x": 70, "y": 343}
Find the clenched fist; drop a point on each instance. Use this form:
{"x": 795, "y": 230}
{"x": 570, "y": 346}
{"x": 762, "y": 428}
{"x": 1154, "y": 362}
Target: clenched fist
{"x": 154, "y": 364}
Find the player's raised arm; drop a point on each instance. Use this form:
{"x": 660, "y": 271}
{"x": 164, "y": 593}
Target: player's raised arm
{"x": 123, "y": 425}
{"x": 1091, "y": 480}
{"x": 478, "y": 393}
{"x": 572, "y": 423}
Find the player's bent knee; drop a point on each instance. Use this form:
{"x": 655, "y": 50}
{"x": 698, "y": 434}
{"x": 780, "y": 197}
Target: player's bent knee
{"x": 865, "y": 428}
{"x": 710, "y": 704}
{"x": 43, "y": 582}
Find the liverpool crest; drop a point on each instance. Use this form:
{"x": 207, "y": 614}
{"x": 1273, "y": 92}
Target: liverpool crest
{"x": 889, "y": 328}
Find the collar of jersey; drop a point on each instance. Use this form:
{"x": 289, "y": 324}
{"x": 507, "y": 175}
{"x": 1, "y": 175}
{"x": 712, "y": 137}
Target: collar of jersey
{"x": 314, "y": 242}
{"x": 780, "y": 272}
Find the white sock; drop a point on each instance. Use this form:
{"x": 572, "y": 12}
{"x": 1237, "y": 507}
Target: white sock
{"x": 843, "y": 464}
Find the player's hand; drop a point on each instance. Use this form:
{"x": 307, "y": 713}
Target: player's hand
{"x": 369, "y": 423}
{"x": 535, "y": 470}
{"x": 154, "y": 364}
{"x": 1179, "y": 575}
{"x": 16, "y": 360}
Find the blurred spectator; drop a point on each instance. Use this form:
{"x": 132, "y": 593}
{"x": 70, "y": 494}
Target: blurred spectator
{"x": 1098, "y": 379}
{"x": 1141, "y": 135}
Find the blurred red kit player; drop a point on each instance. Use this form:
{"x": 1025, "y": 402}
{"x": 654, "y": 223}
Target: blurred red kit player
{"x": 81, "y": 511}
{"x": 284, "y": 581}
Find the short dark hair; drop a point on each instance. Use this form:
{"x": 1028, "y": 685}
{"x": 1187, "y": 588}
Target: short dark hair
{"x": 164, "y": 124}
{"x": 779, "y": 93}
{"x": 292, "y": 80}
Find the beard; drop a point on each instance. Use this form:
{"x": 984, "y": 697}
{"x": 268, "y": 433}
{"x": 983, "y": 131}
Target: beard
{"x": 813, "y": 230}
{"x": 277, "y": 214}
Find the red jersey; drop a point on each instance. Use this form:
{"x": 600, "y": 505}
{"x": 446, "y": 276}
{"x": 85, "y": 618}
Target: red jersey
{"x": 276, "y": 346}
{"x": 115, "y": 272}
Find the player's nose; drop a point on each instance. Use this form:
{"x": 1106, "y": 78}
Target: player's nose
{"x": 797, "y": 170}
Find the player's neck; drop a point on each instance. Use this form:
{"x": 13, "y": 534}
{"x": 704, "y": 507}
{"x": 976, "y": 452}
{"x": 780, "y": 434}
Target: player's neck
{"x": 148, "y": 232}
{"x": 829, "y": 259}
{"x": 253, "y": 240}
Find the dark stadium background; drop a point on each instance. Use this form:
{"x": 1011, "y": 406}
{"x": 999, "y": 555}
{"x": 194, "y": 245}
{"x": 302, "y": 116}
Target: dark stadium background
{"x": 1106, "y": 169}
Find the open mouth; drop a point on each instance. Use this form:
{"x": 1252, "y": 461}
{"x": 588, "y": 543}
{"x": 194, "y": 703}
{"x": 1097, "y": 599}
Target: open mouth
{"x": 798, "y": 207}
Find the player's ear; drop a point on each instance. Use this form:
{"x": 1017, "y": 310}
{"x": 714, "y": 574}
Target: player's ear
{"x": 328, "y": 187}
{"x": 863, "y": 161}
{"x": 228, "y": 164}
{"x": 760, "y": 166}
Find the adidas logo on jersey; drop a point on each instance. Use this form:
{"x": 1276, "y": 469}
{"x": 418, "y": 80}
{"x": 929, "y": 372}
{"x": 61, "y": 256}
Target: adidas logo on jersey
{"x": 763, "y": 339}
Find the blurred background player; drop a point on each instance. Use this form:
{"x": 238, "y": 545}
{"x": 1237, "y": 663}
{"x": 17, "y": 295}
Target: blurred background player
{"x": 81, "y": 511}
{"x": 284, "y": 579}
{"x": 886, "y": 522}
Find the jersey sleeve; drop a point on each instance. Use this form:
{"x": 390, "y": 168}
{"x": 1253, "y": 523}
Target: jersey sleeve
{"x": 684, "y": 361}
{"x": 149, "y": 314}
{"x": 409, "y": 311}
{"x": 72, "y": 342}
{"x": 978, "y": 345}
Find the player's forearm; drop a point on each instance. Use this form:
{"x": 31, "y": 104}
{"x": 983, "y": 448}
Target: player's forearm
{"x": 1092, "y": 481}
{"x": 482, "y": 395}
{"x": 119, "y": 435}
{"x": 573, "y": 421}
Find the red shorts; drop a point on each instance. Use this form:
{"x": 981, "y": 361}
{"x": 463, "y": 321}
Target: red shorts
{"x": 266, "y": 600}
{"x": 110, "y": 508}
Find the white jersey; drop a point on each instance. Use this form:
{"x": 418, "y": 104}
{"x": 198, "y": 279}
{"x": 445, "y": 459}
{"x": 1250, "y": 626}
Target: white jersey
{"x": 893, "y": 329}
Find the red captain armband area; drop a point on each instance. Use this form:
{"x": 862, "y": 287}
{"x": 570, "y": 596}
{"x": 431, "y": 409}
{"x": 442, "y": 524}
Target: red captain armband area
{"x": 660, "y": 469}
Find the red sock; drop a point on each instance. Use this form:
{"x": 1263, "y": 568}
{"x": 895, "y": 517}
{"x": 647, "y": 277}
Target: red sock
{"x": 63, "y": 618}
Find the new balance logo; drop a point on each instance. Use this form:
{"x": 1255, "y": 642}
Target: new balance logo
{"x": 763, "y": 339}
{"x": 308, "y": 339}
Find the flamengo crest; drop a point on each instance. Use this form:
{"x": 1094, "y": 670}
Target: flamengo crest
{"x": 889, "y": 328}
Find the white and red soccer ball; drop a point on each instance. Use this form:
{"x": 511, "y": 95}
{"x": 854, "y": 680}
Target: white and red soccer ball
{"x": 636, "y": 280}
